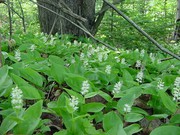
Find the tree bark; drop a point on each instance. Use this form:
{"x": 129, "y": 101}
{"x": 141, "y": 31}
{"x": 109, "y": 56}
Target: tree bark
{"x": 81, "y": 8}
{"x": 176, "y": 35}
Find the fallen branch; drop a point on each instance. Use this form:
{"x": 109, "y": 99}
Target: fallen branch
{"x": 87, "y": 32}
{"x": 142, "y": 31}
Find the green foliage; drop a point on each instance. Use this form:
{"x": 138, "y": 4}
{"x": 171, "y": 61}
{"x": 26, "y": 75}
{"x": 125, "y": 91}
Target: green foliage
{"x": 85, "y": 88}
{"x": 79, "y": 87}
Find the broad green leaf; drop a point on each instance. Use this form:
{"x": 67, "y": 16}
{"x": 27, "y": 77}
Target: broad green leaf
{"x": 139, "y": 110}
{"x": 132, "y": 129}
{"x": 29, "y": 92}
{"x": 157, "y": 116}
{"x": 168, "y": 103}
{"x": 175, "y": 119}
{"x": 116, "y": 130}
{"x": 127, "y": 99}
{"x": 56, "y": 60}
{"x": 101, "y": 93}
{"x": 166, "y": 130}
{"x": 92, "y": 107}
{"x": 62, "y": 132}
{"x": 7, "y": 124}
{"x": 168, "y": 79}
{"x": 105, "y": 96}
{"x": 133, "y": 117}
{"x": 127, "y": 78}
{"x": 75, "y": 81}
{"x": 79, "y": 96}
{"x": 91, "y": 94}
{"x": 32, "y": 76}
{"x": 5, "y": 80}
{"x": 58, "y": 72}
{"x": 111, "y": 120}
{"x": 30, "y": 120}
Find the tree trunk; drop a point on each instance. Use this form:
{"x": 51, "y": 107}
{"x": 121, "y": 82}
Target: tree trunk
{"x": 51, "y": 23}
{"x": 176, "y": 35}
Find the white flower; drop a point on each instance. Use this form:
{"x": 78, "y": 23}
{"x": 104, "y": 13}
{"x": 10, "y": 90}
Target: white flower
{"x": 74, "y": 102}
{"x": 117, "y": 88}
{"x": 85, "y": 87}
{"x": 105, "y": 56}
{"x": 82, "y": 56}
{"x": 142, "y": 53}
{"x": 103, "y": 48}
{"x": 137, "y": 50}
{"x": 5, "y": 54}
{"x": 108, "y": 69}
{"x": 97, "y": 49}
{"x": 85, "y": 63}
{"x": 117, "y": 59}
{"x": 176, "y": 94}
{"x": 160, "y": 85}
{"x": 159, "y": 61}
{"x": 176, "y": 89}
{"x": 89, "y": 54}
{"x": 127, "y": 108}
{"x": 18, "y": 55}
{"x": 138, "y": 64}
{"x": 172, "y": 66}
{"x": 139, "y": 77}
{"x": 16, "y": 98}
{"x": 33, "y": 47}
{"x": 123, "y": 61}
{"x": 177, "y": 82}
{"x": 152, "y": 57}
{"x": 100, "y": 57}
{"x": 73, "y": 60}
{"x": 52, "y": 41}
{"x": 76, "y": 43}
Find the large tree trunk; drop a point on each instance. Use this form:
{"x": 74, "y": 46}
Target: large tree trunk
{"x": 176, "y": 35}
{"x": 51, "y": 23}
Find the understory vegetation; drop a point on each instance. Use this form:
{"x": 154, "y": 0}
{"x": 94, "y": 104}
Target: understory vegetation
{"x": 67, "y": 85}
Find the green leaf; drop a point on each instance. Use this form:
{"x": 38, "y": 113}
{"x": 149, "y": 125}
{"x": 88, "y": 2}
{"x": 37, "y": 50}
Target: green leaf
{"x": 58, "y": 69}
{"x": 29, "y": 92}
{"x": 133, "y": 117}
{"x": 105, "y": 96}
{"x": 127, "y": 78}
{"x": 32, "y": 76}
{"x": 168, "y": 103}
{"x": 157, "y": 116}
{"x": 7, "y": 124}
{"x": 79, "y": 96}
{"x": 175, "y": 119}
{"x": 5, "y": 80}
{"x": 127, "y": 99}
{"x": 132, "y": 129}
{"x": 166, "y": 130}
{"x": 101, "y": 93}
{"x": 139, "y": 110}
{"x": 75, "y": 81}
{"x": 62, "y": 132}
{"x": 110, "y": 120}
{"x": 56, "y": 60}
{"x": 30, "y": 120}
{"x": 116, "y": 130}
{"x": 92, "y": 107}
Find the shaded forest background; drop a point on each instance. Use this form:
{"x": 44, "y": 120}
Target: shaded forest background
{"x": 155, "y": 17}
